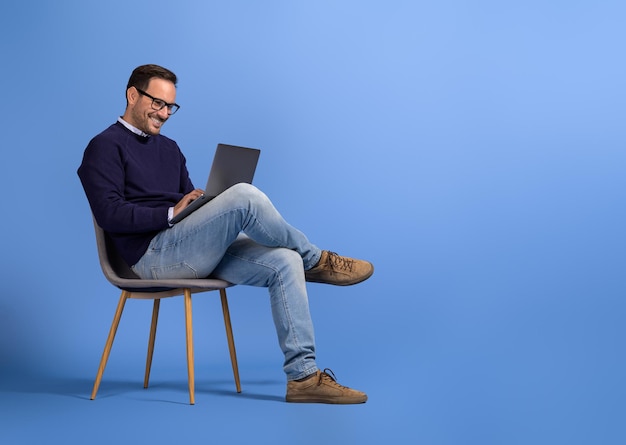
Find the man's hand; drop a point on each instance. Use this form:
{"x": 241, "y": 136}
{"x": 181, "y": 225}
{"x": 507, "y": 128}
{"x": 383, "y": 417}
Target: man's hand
{"x": 186, "y": 200}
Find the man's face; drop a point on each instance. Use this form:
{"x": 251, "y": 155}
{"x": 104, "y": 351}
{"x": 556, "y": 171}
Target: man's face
{"x": 140, "y": 112}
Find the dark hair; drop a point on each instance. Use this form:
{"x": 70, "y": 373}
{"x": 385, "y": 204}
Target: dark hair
{"x": 141, "y": 76}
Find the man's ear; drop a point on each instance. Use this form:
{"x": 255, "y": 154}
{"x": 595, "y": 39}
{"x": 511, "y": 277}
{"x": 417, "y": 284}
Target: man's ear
{"x": 132, "y": 95}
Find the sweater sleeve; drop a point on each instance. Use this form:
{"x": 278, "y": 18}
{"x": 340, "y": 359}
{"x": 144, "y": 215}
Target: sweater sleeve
{"x": 121, "y": 203}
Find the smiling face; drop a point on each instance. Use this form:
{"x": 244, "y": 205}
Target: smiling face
{"x": 139, "y": 111}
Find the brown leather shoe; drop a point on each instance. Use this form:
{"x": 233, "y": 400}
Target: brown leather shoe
{"x": 339, "y": 270}
{"x": 322, "y": 387}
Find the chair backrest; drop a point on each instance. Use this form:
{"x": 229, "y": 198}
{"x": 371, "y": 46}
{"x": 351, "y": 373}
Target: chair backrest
{"x": 112, "y": 264}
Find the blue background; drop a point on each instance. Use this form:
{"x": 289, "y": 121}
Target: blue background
{"x": 474, "y": 151}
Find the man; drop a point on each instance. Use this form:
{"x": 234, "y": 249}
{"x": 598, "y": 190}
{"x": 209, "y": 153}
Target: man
{"x": 136, "y": 181}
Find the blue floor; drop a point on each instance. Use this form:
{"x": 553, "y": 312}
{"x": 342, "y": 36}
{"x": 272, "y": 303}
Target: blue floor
{"x": 124, "y": 412}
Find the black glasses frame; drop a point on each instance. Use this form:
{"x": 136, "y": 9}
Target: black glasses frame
{"x": 159, "y": 104}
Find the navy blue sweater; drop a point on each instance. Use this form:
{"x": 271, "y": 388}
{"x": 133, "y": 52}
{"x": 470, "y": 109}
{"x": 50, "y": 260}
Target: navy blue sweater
{"x": 130, "y": 182}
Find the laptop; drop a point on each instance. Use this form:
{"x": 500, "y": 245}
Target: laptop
{"x": 231, "y": 165}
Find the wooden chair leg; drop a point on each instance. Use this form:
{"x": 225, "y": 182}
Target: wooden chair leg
{"x": 189, "y": 331}
{"x": 153, "y": 327}
{"x": 109, "y": 343}
{"x": 230, "y": 338}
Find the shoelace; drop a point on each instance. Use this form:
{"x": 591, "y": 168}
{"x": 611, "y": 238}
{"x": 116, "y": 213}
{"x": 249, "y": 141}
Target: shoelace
{"x": 337, "y": 262}
{"x": 328, "y": 373}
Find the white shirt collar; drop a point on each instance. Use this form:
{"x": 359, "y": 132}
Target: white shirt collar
{"x": 132, "y": 128}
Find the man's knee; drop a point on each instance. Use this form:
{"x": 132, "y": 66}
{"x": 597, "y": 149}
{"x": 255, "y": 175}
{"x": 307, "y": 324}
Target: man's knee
{"x": 246, "y": 193}
{"x": 245, "y": 189}
{"x": 288, "y": 262}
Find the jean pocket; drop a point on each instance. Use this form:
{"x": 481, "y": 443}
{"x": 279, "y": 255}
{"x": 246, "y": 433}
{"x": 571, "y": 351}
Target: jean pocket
{"x": 179, "y": 270}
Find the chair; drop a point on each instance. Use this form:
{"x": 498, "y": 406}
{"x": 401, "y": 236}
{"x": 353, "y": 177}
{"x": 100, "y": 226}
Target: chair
{"x": 119, "y": 274}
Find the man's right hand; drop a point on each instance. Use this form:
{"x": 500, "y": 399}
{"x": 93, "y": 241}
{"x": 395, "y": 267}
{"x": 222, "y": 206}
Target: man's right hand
{"x": 187, "y": 200}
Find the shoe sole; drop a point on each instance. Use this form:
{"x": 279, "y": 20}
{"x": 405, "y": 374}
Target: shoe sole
{"x": 339, "y": 401}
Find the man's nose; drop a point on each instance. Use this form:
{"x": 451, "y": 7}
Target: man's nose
{"x": 163, "y": 113}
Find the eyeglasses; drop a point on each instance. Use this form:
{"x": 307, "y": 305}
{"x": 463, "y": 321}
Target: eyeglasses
{"x": 159, "y": 104}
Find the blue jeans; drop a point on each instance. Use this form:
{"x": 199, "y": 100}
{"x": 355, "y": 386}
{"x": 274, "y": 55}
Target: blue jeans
{"x": 240, "y": 237}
